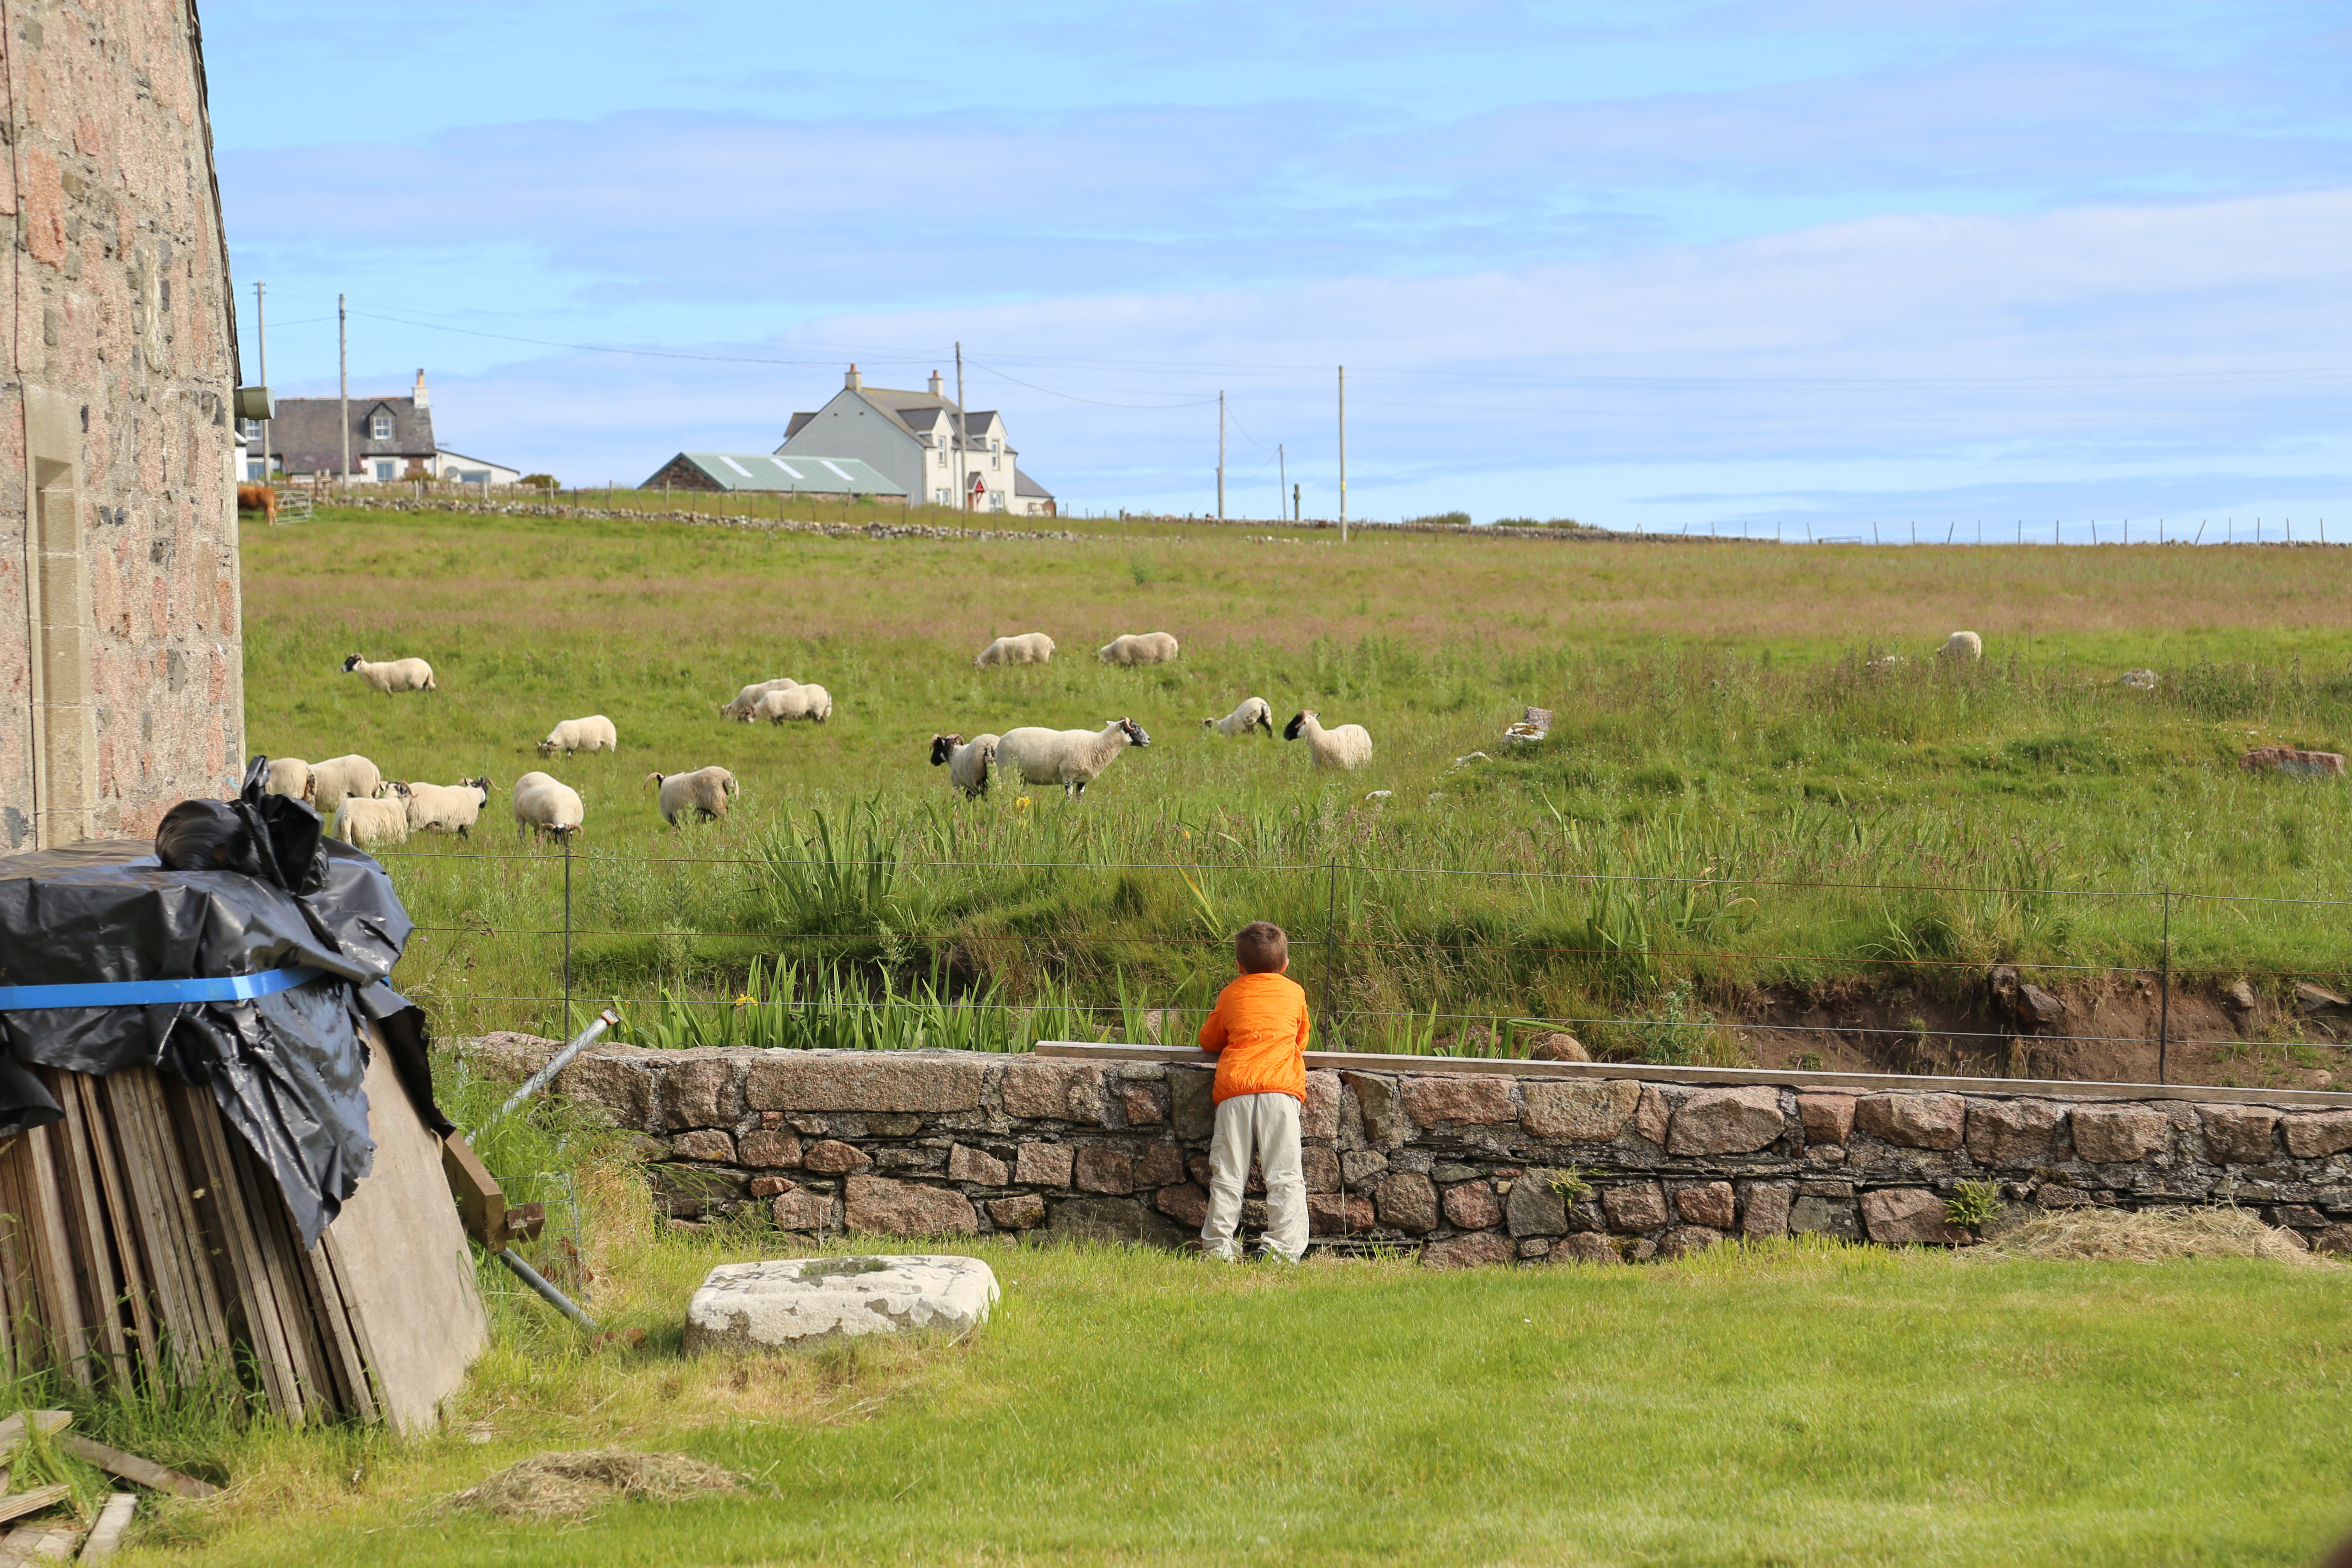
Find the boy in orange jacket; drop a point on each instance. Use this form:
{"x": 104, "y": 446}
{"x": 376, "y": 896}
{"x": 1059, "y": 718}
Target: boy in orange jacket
{"x": 1258, "y": 1035}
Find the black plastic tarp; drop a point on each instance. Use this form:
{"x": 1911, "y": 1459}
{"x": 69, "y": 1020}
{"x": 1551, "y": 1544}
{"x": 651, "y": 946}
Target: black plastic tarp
{"x": 285, "y": 1068}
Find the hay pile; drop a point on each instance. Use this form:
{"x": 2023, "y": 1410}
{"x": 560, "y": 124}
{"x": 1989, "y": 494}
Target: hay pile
{"x": 2149, "y": 1235}
{"x": 565, "y": 1486}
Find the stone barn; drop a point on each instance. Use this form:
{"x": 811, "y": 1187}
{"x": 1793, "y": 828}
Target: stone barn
{"x": 121, "y": 686}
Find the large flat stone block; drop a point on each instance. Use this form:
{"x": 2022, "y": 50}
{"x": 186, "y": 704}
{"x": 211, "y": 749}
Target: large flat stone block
{"x": 1579, "y": 1111}
{"x": 802, "y": 1302}
{"x": 1726, "y": 1121}
{"x": 864, "y": 1080}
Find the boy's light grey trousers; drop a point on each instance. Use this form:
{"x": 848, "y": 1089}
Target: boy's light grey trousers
{"x": 1267, "y": 1125}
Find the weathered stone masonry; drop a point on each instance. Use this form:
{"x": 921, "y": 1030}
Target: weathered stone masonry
{"x": 1459, "y": 1160}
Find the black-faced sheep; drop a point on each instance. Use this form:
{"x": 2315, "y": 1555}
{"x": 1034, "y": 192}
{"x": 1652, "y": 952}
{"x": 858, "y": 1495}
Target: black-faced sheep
{"x": 1255, "y": 713}
{"x": 814, "y": 703}
{"x": 543, "y": 805}
{"x": 338, "y": 777}
{"x": 1071, "y": 758}
{"x": 1029, "y": 647}
{"x": 1138, "y": 648}
{"x": 1348, "y": 746}
{"x": 968, "y": 762}
{"x": 393, "y": 674}
{"x": 703, "y": 792}
{"x": 444, "y": 808}
{"x": 591, "y": 734}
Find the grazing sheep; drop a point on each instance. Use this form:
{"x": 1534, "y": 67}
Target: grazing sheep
{"x": 338, "y": 777}
{"x": 1030, "y": 648}
{"x": 968, "y": 762}
{"x": 1071, "y": 758}
{"x": 814, "y": 703}
{"x": 541, "y": 804}
{"x": 393, "y": 674}
{"x": 362, "y": 823}
{"x": 1348, "y": 746}
{"x": 2137, "y": 680}
{"x": 1138, "y": 647}
{"x": 740, "y": 708}
{"x": 595, "y": 734}
{"x": 703, "y": 792}
{"x": 288, "y": 776}
{"x": 444, "y": 808}
{"x": 1962, "y": 645}
{"x": 1252, "y": 714}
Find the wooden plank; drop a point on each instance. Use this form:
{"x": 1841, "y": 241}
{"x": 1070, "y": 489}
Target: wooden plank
{"x": 94, "y": 1253}
{"x": 33, "y": 1501}
{"x": 16, "y": 1283}
{"x": 249, "y": 1299}
{"x": 41, "y": 1540}
{"x": 106, "y": 1157}
{"x": 47, "y": 1423}
{"x": 179, "y": 1187}
{"x": 343, "y": 1384}
{"x": 160, "y": 1259}
{"x": 58, "y": 1291}
{"x": 132, "y": 1468}
{"x": 112, "y": 1521}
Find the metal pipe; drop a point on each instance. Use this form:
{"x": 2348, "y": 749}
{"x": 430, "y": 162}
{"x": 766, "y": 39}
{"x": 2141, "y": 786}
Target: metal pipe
{"x": 560, "y": 1060}
{"x": 554, "y": 1297}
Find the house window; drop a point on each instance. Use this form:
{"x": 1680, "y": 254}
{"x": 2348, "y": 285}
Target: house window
{"x": 383, "y": 471}
{"x": 996, "y": 500}
{"x": 255, "y": 469}
{"x": 996, "y": 454}
{"x": 380, "y": 427}
{"x": 943, "y": 456}
{"x": 944, "y": 496}
{"x": 252, "y": 429}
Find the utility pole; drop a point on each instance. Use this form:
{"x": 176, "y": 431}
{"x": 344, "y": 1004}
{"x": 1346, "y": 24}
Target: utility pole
{"x": 1294, "y": 513}
{"x": 1343, "y": 454}
{"x": 964, "y": 500}
{"x": 1281, "y": 478}
{"x": 343, "y": 364}
{"x": 261, "y": 339}
{"x": 1221, "y": 457}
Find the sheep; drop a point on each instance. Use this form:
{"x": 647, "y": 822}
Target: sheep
{"x": 288, "y": 776}
{"x": 1071, "y": 758}
{"x": 1138, "y": 647}
{"x": 393, "y": 674}
{"x": 740, "y": 708}
{"x": 337, "y": 777}
{"x": 362, "y": 822}
{"x": 1030, "y": 648}
{"x": 703, "y": 792}
{"x": 543, "y": 804}
{"x": 446, "y": 808}
{"x": 814, "y": 703}
{"x": 1962, "y": 645}
{"x": 1252, "y": 714}
{"x": 968, "y": 762}
{"x": 593, "y": 734}
{"x": 1348, "y": 746}
{"x": 2137, "y": 680}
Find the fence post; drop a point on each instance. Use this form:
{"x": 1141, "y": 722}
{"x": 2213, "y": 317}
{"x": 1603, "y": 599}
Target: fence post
{"x": 567, "y": 933}
{"x": 2164, "y": 994}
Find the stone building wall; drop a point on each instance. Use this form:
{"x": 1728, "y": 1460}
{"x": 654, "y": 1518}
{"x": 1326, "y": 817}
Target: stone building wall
{"x": 1468, "y": 1163}
{"x": 121, "y": 686}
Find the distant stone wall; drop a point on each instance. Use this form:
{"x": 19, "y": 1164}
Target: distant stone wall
{"x": 1465, "y": 1162}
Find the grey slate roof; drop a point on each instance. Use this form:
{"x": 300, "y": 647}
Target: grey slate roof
{"x": 306, "y": 436}
{"x": 763, "y": 471}
{"x": 1022, "y": 485}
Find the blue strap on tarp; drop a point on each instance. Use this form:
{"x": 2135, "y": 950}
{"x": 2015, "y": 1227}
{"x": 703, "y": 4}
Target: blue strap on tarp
{"x": 153, "y": 992}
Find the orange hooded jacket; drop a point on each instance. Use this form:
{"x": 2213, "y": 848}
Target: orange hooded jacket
{"x": 1258, "y": 1035}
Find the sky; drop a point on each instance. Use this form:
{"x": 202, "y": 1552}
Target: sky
{"x": 1816, "y": 266}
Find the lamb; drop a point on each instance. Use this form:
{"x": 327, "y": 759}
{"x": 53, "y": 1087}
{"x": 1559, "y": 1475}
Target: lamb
{"x": 1029, "y": 647}
{"x": 968, "y": 762}
{"x": 446, "y": 808}
{"x": 1962, "y": 645}
{"x": 338, "y": 777}
{"x": 288, "y": 776}
{"x": 544, "y": 805}
{"x": 362, "y": 823}
{"x": 1252, "y": 714}
{"x": 393, "y": 675}
{"x": 814, "y": 703}
{"x": 703, "y": 792}
{"x": 1138, "y": 647}
{"x": 593, "y": 734}
{"x": 1071, "y": 758}
{"x": 740, "y": 708}
{"x": 1348, "y": 746}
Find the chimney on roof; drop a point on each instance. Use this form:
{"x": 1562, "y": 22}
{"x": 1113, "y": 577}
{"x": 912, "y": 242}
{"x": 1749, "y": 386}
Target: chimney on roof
{"x": 853, "y": 380}
{"x": 424, "y": 398}
{"x": 935, "y": 384}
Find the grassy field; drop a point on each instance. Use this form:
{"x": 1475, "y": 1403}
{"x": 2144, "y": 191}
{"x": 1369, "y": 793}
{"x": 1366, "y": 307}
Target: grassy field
{"x": 1720, "y": 720}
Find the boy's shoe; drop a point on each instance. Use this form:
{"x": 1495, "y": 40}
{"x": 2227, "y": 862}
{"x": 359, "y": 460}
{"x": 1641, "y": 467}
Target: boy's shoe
{"x": 1272, "y": 1254}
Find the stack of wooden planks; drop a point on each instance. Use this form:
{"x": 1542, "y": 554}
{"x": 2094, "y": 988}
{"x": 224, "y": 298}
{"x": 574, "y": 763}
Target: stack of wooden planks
{"x": 30, "y": 1532}
{"x": 140, "y": 1239}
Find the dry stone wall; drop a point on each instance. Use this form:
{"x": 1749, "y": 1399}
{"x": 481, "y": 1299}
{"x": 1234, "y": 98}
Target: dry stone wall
{"x": 1468, "y": 1167}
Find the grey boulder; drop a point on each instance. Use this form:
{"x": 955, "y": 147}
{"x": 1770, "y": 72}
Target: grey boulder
{"x": 802, "y": 1302}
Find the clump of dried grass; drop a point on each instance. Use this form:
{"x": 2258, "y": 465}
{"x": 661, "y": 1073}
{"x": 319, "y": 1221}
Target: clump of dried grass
{"x": 2148, "y": 1235}
{"x": 567, "y": 1484}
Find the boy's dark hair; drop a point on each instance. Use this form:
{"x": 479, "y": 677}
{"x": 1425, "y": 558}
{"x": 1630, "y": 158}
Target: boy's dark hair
{"x": 1262, "y": 947}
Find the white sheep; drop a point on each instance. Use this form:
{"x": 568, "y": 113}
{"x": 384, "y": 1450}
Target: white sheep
{"x": 740, "y": 708}
{"x": 1071, "y": 758}
{"x": 968, "y": 762}
{"x": 1029, "y": 647}
{"x": 393, "y": 674}
{"x": 814, "y": 703}
{"x": 1348, "y": 746}
{"x": 1138, "y": 647}
{"x": 592, "y": 734}
{"x": 362, "y": 822}
{"x": 703, "y": 792}
{"x": 444, "y": 808}
{"x": 544, "y": 805}
{"x": 1962, "y": 645}
{"x": 288, "y": 776}
{"x": 338, "y": 777}
{"x": 1255, "y": 713}
{"x": 2137, "y": 680}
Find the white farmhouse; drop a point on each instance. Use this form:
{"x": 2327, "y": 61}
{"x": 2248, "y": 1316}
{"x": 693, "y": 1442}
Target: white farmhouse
{"x": 914, "y": 439}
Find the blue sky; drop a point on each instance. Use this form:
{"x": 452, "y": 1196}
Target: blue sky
{"x": 1730, "y": 265}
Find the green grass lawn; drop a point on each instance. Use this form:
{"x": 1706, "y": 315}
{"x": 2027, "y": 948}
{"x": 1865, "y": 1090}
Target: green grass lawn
{"x": 1790, "y": 1405}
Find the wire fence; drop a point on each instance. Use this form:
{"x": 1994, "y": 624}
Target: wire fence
{"x": 839, "y": 948}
